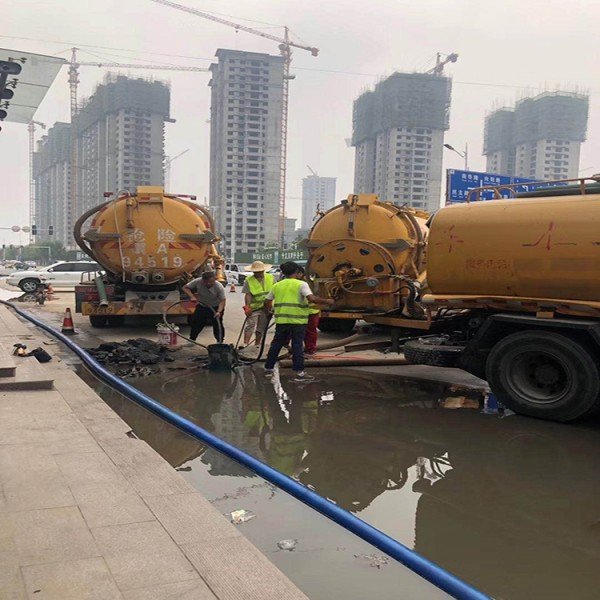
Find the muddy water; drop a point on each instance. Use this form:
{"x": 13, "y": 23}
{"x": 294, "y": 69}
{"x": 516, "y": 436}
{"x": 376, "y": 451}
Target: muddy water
{"x": 511, "y": 505}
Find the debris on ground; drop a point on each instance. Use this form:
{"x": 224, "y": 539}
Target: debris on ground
{"x": 138, "y": 350}
{"x": 374, "y": 560}
{"x": 288, "y": 545}
{"x": 241, "y": 516}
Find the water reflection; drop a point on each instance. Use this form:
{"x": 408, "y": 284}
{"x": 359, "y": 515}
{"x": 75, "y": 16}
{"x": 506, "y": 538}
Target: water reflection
{"x": 509, "y": 504}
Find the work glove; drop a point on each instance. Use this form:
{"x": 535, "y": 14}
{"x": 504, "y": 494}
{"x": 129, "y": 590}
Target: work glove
{"x": 247, "y": 310}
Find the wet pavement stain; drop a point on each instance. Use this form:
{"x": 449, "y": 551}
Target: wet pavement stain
{"x": 509, "y": 504}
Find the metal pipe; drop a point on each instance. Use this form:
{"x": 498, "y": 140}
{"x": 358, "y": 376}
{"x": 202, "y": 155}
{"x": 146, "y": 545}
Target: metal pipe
{"x": 430, "y": 571}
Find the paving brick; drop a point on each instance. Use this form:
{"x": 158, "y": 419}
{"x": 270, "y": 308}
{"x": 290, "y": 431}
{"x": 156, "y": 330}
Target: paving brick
{"x": 93, "y": 467}
{"x": 147, "y": 472}
{"x": 186, "y": 590}
{"x": 142, "y": 554}
{"x": 12, "y": 586}
{"x": 117, "y": 508}
{"x": 31, "y": 479}
{"x": 33, "y": 402}
{"x": 87, "y": 579}
{"x": 50, "y": 535}
{"x": 191, "y": 518}
{"x": 235, "y": 570}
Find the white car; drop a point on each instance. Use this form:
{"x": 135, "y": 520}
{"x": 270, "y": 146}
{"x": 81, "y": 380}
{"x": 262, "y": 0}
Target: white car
{"x": 61, "y": 274}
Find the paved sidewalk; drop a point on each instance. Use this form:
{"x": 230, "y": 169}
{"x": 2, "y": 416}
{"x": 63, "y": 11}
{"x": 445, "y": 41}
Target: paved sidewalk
{"x": 88, "y": 511}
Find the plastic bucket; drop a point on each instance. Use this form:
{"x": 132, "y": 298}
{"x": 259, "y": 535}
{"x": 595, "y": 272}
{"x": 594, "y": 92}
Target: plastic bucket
{"x": 166, "y": 335}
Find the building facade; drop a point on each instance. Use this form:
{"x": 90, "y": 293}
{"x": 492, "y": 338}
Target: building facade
{"x": 318, "y": 193}
{"x": 540, "y": 138}
{"x": 245, "y": 147}
{"x": 120, "y": 133}
{"x": 398, "y": 136}
{"x": 52, "y": 180}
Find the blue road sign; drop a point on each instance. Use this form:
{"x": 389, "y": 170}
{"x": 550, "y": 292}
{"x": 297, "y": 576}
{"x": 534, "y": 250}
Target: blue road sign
{"x": 459, "y": 183}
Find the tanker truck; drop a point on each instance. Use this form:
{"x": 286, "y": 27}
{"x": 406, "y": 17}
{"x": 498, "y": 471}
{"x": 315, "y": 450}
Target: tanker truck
{"x": 369, "y": 256}
{"x": 149, "y": 244}
{"x": 508, "y": 290}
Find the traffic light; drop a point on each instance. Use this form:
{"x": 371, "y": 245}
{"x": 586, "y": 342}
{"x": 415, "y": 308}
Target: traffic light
{"x": 50, "y": 229}
{"x": 34, "y": 230}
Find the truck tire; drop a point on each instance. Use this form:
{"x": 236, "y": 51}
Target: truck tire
{"x": 98, "y": 321}
{"x": 29, "y": 285}
{"x": 329, "y": 325}
{"x": 434, "y": 352}
{"x": 544, "y": 374}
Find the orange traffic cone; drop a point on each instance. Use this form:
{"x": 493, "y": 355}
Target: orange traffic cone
{"x": 232, "y": 288}
{"x": 67, "y": 326}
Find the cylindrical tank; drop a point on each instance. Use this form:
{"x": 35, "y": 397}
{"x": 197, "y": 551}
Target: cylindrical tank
{"x": 150, "y": 238}
{"x": 546, "y": 247}
{"x": 363, "y": 250}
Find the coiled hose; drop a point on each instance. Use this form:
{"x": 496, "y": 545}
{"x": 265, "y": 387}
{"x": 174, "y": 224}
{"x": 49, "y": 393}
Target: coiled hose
{"x": 420, "y": 565}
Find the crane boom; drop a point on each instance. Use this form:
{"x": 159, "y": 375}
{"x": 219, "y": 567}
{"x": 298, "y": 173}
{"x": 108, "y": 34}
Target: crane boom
{"x": 211, "y": 17}
{"x": 137, "y": 66}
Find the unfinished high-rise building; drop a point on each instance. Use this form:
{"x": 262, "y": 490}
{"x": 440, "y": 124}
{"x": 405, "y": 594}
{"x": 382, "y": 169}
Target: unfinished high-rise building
{"x": 245, "y": 147}
{"x": 52, "y": 177}
{"x": 540, "y": 138}
{"x": 398, "y": 132}
{"x": 120, "y": 140}
{"x": 318, "y": 193}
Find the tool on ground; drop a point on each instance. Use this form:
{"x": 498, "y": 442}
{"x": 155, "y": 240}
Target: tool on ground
{"x": 67, "y": 326}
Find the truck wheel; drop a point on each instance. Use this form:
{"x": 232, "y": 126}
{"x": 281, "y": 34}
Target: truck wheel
{"x": 329, "y": 325}
{"x": 98, "y": 321}
{"x": 543, "y": 374}
{"x": 433, "y": 351}
{"x": 29, "y": 285}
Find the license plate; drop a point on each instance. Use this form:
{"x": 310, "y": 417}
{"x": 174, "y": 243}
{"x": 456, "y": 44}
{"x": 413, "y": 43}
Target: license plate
{"x": 103, "y": 310}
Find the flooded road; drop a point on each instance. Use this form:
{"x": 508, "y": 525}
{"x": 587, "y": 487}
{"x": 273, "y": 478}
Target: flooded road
{"x": 511, "y": 505}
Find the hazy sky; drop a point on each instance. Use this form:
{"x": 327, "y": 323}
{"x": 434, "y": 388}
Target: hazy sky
{"x": 507, "y": 48}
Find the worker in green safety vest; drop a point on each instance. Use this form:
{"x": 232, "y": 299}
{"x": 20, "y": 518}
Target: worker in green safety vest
{"x": 289, "y": 300}
{"x": 256, "y": 288}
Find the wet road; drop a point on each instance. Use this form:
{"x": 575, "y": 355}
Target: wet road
{"x": 509, "y": 504}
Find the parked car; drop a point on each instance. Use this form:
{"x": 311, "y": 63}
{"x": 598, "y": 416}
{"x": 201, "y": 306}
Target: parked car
{"x": 61, "y": 274}
{"x": 235, "y": 274}
{"x": 10, "y": 266}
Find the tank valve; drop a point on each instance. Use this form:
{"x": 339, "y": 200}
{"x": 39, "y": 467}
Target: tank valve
{"x": 372, "y": 282}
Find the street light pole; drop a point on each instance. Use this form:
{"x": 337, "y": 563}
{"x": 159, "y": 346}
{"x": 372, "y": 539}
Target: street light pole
{"x": 464, "y": 154}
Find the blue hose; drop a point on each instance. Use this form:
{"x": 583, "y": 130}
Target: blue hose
{"x": 433, "y": 573}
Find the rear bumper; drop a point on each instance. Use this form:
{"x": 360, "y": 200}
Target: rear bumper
{"x": 148, "y": 307}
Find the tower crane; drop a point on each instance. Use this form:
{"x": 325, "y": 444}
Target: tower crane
{"x": 285, "y": 49}
{"x": 312, "y": 171}
{"x": 440, "y": 63}
{"x": 74, "y": 65}
{"x": 31, "y": 129}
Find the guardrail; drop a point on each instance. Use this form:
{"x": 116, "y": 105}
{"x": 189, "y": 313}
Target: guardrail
{"x": 427, "y": 569}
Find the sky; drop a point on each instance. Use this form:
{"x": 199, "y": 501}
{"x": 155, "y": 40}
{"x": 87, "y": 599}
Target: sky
{"x": 507, "y": 50}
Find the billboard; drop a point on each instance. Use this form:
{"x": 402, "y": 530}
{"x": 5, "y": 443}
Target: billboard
{"x": 459, "y": 183}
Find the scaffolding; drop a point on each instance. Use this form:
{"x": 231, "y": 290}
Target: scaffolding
{"x": 119, "y": 92}
{"x": 402, "y": 100}
{"x": 548, "y": 116}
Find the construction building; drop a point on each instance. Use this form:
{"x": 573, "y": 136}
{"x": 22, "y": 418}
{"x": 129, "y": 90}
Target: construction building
{"x": 398, "y": 133}
{"x": 540, "y": 138}
{"x": 120, "y": 140}
{"x": 52, "y": 177}
{"x": 318, "y": 193}
{"x": 245, "y": 147}
{"x": 289, "y": 231}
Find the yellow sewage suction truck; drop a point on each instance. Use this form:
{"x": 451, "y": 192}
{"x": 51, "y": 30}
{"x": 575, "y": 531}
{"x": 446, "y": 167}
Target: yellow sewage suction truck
{"x": 508, "y": 290}
{"x": 149, "y": 244}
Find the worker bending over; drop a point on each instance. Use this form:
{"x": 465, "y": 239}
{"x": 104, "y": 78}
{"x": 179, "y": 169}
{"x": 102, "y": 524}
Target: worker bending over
{"x": 210, "y": 296}
{"x": 256, "y": 288}
{"x": 289, "y": 300}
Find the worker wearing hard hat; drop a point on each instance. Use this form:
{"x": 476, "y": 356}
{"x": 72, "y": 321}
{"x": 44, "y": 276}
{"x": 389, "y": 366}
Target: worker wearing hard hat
{"x": 290, "y": 299}
{"x": 256, "y": 288}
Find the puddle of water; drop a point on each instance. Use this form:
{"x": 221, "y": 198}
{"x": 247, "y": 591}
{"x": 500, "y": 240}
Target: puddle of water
{"x": 507, "y": 503}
